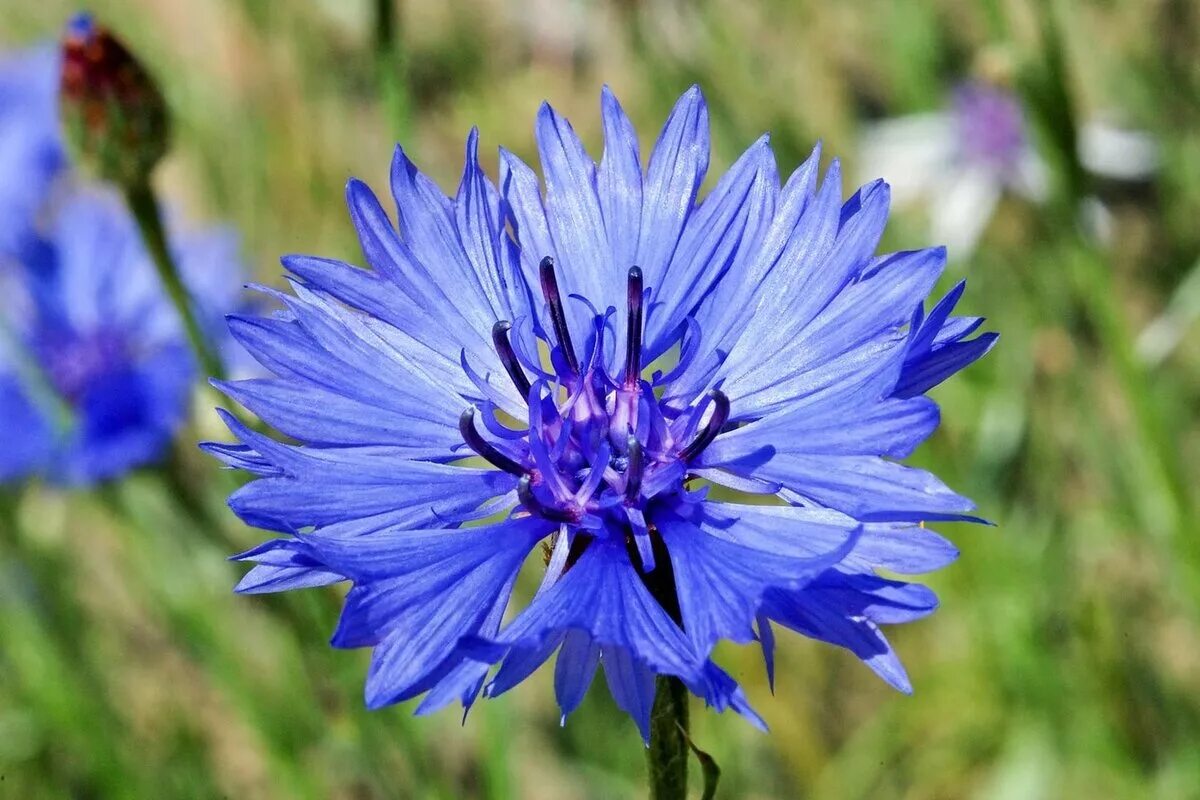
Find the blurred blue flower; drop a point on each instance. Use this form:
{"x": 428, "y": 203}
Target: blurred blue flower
{"x": 758, "y": 346}
{"x": 95, "y": 372}
{"x": 31, "y": 147}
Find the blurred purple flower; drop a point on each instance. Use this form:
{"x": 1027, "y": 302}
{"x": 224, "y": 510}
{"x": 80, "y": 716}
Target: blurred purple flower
{"x": 31, "y": 148}
{"x": 88, "y": 325}
{"x": 95, "y": 374}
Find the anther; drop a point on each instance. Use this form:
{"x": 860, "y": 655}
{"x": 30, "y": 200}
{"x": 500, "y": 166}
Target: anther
{"x": 533, "y": 505}
{"x": 716, "y": 421}
{"x": 633, "y": 334}
{"x": 508, "y": 357}
{"x": 558, "y": 314}
{"x": 483, "y": 448}
{"x": 633, "y": 471}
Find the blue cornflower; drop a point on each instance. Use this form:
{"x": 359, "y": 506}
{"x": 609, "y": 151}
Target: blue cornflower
{"x": 606, "y": 351}
{"x": 31, "y": 147}
{"x": 95, "y": 372}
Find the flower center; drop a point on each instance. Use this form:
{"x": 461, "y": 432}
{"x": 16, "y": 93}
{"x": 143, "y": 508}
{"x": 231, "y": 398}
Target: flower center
{"x": 991, "y": 127}
{"x": 597, "y": 450}
{"x": 74, "y": 362}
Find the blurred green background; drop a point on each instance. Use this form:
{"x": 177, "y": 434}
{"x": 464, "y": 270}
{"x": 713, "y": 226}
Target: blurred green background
{"x": 1065, "y": 660}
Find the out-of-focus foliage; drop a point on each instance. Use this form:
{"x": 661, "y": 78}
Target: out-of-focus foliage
{"x": 1066, "y": 659}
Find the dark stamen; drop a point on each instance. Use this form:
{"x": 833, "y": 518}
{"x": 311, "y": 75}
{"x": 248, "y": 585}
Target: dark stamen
{"x": 716, "y": 421}
{"x": 633, "y": 472}
{"x": 508, "y": 357}
{"x": 483, "y": 448}
{"x": 533, "y": 505}
{"x": 558, "y": 314}
{"x": 633, "y": 335}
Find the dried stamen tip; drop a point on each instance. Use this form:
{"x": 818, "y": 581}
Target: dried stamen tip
{"x": 114, "y": 116}
{"x": 716, "y": 421}
{"x": 531, "y": 503}
{"x": 508, "y": 357}
{"x": 633, "y": 334}
{"x": 483, "y": 448}
{"x": 558, "y": 314}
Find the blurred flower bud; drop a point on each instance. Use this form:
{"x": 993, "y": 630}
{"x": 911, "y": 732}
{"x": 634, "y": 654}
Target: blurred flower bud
{"x": 114, "y": 116}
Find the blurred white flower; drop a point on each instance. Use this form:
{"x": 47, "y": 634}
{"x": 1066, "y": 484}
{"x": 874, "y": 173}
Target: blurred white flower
{"x": 962, "y": 160}
{"x": 1166, "y": 331}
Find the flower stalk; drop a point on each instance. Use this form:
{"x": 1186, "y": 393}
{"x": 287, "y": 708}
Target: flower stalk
{"x": 667, "y": 756}
{"x": 145, "y": 208}
{"x": 117, "y": 122}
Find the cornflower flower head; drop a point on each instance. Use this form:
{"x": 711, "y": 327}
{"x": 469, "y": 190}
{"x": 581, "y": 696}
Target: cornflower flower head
{"x": 576, "y": 369}
{"x": 95, "y": 374}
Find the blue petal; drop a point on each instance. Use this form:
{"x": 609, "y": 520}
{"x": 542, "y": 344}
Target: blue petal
{"x": 619, "y": 183}
{"x": 715, "y": 233}
{"x": 865, "y": 487}
{"x": 631, "y": 684}
{"x": 320, "y": 486}
{"x": 522, "y": 204}
{"x": 496, "y": 267}
{"x": 883, "y": 601}
{"x": 814, "y": 616}
{"x": 890, "y": 428}
{"x": 922, "y": 374}
{"x": 574, "y": 669}
{"x": 464, "y": 680}
{"x": 575, "y": 220}
{"x": 28, "y": 437}
{"x": 766, "y": 637}
{"x": 721, "y": 692}
{"x": 417, "y": 593}
{"x": 720, "y": 582}
{"x": 427, "y": 219}
{"x": 677, "y": 167}
{"x": 322, "y": 416}
{"x": 603, "y": 595}
{"x": 904, "y": 548}
{"x": 266, "y": 578}
{"x": 729, "y": 306}
{"x": 764, "y": 375}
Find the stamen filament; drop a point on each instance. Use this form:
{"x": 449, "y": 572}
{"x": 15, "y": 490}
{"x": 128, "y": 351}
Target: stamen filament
{"x": 508, "y": 357}
{"x": 535, "y": 506}
{"x": 483, "y": 448}
{"x": 558, "y": 313}
{"x": 633, "y": 335}
{"x": 633, "y": 472}
{"x": 716, "y": 421}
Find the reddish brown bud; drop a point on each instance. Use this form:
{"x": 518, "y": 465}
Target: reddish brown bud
{"x": 113, "y": 113}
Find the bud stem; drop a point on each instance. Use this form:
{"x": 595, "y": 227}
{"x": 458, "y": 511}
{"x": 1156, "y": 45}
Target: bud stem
{"x": 144, "y": 206}
{"x": 392, "y": 69}
{"x": 36, "y": 382}
{"x": 667, "y": 756}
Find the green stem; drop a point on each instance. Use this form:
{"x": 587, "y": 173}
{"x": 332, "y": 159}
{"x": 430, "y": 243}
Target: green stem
{"x": 391, "y": 69}
{"x": 35, "y": 381}
{"x": 149, "y": 219}
{"x": 667, "y": 756}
